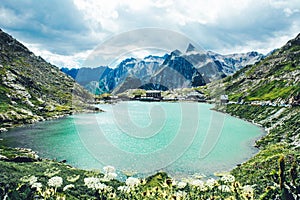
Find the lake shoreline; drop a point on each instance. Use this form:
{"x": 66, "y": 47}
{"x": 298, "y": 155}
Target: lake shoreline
{"x": 248, "y": 144}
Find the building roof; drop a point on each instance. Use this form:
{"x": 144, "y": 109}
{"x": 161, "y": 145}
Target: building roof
{"x": 153, "y": 91}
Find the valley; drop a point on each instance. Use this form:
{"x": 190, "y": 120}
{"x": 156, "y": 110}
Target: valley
{"x": 265, "y": 91}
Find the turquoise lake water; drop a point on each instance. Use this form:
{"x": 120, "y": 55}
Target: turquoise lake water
{"x": 179, "y": 138}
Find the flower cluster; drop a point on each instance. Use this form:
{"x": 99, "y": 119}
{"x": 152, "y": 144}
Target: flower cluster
{"x": 228, "y": 178}
{"x": 132, "y": 182}
{"x": 160, "y": 187}
{"x": 38, "y": 186}
{"x": 55, "y": 181}
{"x": 109, "y": 173}
{"x": 181, "y": 185}
{"x": 94, "y": 183}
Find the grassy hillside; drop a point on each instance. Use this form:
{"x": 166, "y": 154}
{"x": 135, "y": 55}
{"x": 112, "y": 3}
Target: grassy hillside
{"x": 32, "y": 89}
{"x": 273, "y": 82}
{"x": 275, "y": 78}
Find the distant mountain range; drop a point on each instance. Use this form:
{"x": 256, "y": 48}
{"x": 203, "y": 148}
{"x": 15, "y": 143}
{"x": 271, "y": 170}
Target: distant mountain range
{"x": 174, "y": 70}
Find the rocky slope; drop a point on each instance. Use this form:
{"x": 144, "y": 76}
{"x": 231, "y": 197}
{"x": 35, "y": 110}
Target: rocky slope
{"x": 32, "y": 89}
{"x": 281, "y": 143}
{"x": 270, "y": 91}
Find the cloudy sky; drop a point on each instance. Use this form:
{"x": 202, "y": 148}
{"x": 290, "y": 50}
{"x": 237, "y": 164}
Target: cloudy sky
{"x": 66, "y": 32}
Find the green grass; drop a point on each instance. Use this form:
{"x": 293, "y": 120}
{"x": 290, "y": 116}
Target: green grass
{"x": 272, "y": 90}
{"x": 4, "y": 107}
{"x": 262, "y": 169}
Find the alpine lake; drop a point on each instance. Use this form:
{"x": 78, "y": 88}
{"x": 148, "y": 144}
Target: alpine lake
{"x": 141, "y": 138}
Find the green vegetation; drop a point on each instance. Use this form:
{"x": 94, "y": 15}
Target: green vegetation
{"x": 273, "y": 90}
{"x": 261, "y": 170}
{"x": 32, "y": 89}
{"x": 274, "y": 79}
{"x": 33, "y": 177}
{"x": 103, "y": 96}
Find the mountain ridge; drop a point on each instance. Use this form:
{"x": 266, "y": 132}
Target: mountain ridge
{"x": 210, "y": 66}
{"x": 32, "y": 89}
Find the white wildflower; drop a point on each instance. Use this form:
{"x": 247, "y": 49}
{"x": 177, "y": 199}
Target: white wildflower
{"x": 109, "y": 176}
{"x": 112, "y": 175}
{"x": 100, "y": 186}
{"x": 37, "y": 185}
{"x": 248, "y": 189}
{"x": 109, "y": 169}
{"x": 55, "y": 181}
{"x": 174, "y": 182}
{"x": 181, "y": 185}
{"x": 228, "y": 178}
{"x": 180, "y": 194}
{"x": 131, "y": 181}
{"x": 32, "y": 180}
{"x": 91, "y": 182}
{"x": 94, "y": 183}
{"x": 211, "y": 183}
{"x": 67, "y": 187}
{"x": 29, "y": 179}
{"x": 224, "y": 188}
{"x": 198, "y": 183}
{"x": 124, "y": 188}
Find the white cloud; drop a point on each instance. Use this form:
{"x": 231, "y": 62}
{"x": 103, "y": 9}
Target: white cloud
{"x": 67, "y": 28}
{"x": 70, "y": 61}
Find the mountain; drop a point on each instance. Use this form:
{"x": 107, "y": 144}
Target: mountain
{"x": 274, "y": 79}
{"x": 85, "y": 75}
{"x": 213, "y": 66}
{"x": 174, "y": 70}
{"x": 32, "y": 89}
{"x": 133, "y": 69}
{"x": 234, "y": 62}
{"x": 179, "y": 70}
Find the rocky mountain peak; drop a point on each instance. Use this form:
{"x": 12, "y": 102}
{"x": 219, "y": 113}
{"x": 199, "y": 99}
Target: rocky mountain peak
{"x": 190, "y": 48}
{"x": 292, "y": 42}
{"x": 176, "y": 53}
{"x": 8, "y": 43}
